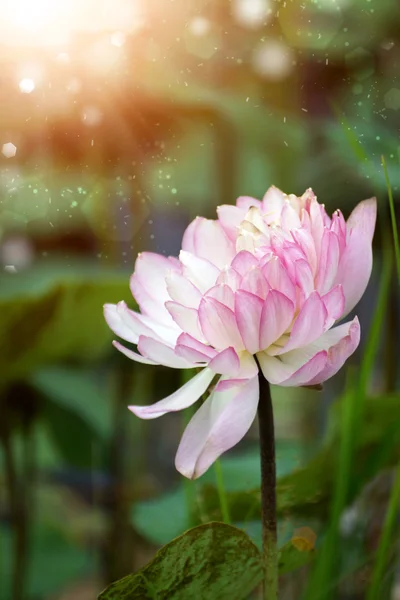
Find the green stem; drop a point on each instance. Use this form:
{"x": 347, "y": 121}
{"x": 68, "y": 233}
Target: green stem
{"x": 393, "y": 217}
{"x": 374, "y": 591}
{"x": 268, "y": 490}
{"x": 223, "y": 499}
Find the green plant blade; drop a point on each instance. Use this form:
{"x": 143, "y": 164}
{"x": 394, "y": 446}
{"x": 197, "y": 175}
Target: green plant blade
{"x": 392, "y": 217}
{"x": 374, "y": 591}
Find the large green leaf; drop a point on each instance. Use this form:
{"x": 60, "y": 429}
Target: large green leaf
{"x": 210, "y": 561}
{"x": 53, "y": 313}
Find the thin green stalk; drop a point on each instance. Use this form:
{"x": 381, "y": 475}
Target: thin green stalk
{"x": 377, "y": 324}
{"x": 385, "y": 541}
{"x": 223, "y": 499}
{"x": 393, "y": 217}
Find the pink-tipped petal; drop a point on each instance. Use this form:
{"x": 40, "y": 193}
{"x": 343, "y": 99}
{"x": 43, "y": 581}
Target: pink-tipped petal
{"x": 230, "y": 218}
{"x": 191, "y": 354}
{"x": 276, "y": 317}
{"x": 278, "y": 278}
{"x": 187, "y": 395}
{"x": 186, "y": 318}
{"x": 243, "y": 262}
{"x": 363, "y": 219}
{"x": 133, "y": 355}
{"x": 247, "y": 202}
{"x": 328, "y": 262}
{"x": 272, "y": 204}
{"x": 356, "y": 261}
{"x": 187, "y": 340}
{"x": 218, "y": 324}
{"x": 151, "y": 269}
{"x": 225, "y": 363}
{"x": 207, "y": 239}
{"x": 153, "y": 309}
{"x": 339, "y": 351}
{"x": 117, "y": 325}
{"x": 293, "y": 370}
{"x": 223, "y": 294}
{"x": 308, "y": 326}
{"x": 182, "y": 290}
{"x": 304, "y": 277}
{"x": 248, "y": 308}
{"x": 161, "y": 353}
{"x": 229, "y": 277}
{"x": 255, "y": 283}
{"x": 334, "y": 303}
{"x": 317, "y": 224}
{"x": 308, "y": 372}
{"x": 305, "y": 241}
{"x": 201, "y": 272}
{"x": 340, "y": 229}
{"x": 224, "y": 385}
{"x": 289, "y": 217}
{"x": 219, "y": 424}
{"x": 125, "y": 322}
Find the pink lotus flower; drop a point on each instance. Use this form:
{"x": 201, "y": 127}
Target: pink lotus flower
{"x": 268, "y": 280}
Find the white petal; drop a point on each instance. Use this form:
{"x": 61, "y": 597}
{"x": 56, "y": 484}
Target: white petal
{"x": 187, "y": 395}
{"x": 161, "y": 353}
{"x": 220, "y": 423}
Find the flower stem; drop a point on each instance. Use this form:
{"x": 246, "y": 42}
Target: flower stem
{"x": 268, "y": 490}
{"x": 223, "y": 500}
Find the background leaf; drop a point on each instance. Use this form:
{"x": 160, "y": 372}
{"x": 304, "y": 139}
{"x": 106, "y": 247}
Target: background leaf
{"x": 55, "y": 313}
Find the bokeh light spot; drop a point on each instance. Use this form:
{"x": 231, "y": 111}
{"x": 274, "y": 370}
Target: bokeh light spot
{"x": 273, "y": 60}
{"x": 392, "y": 99}
{"x": 26, "y": 85}
{"x": 9, "y": 150}
{"x": 252, "y": 13}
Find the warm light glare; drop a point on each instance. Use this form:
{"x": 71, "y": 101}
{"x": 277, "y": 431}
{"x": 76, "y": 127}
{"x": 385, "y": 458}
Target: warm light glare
{"x": 34, "y": 14}
{"x": 54, "y": 22}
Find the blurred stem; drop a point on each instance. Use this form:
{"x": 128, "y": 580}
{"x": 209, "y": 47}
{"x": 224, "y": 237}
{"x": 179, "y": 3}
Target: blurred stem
{"x": 18, "y": 508}
{"x": 118, "y": 558}
{"x": 382, "y": 557}
{"x": 268, "y": 489}
{"x": 223, "y": 499}
{"x": 390, "y": 359}
{"x": 392, "y": 217}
